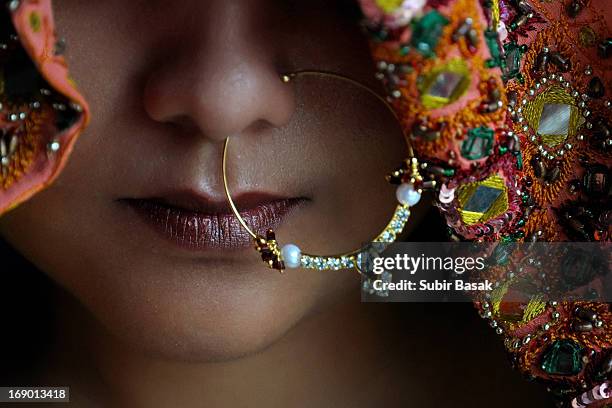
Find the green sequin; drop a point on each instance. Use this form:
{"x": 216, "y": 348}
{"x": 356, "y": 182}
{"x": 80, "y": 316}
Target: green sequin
{"x": 426, "y": 32}
{"x": 512, "y": 61}
{"x": 496, "y": 59}
{"x": 563, "y": 357}
{"x": 478, "y": 143}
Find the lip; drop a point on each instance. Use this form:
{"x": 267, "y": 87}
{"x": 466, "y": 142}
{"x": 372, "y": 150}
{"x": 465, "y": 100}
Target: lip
{"x": 197, "y": 222}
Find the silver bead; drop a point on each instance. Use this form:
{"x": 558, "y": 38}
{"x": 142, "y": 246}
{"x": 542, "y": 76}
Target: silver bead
{"x": 14, "y": 5}
{"x": 54, "y": 146}
{"x": 13, "y": 144}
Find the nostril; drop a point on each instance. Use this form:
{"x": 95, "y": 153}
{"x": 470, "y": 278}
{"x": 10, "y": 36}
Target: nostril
{"x": 184, "y": 123}
{"x": 259, "y": 126}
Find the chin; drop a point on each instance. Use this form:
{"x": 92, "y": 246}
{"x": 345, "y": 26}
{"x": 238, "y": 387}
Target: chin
{"x": 215, "y": 316}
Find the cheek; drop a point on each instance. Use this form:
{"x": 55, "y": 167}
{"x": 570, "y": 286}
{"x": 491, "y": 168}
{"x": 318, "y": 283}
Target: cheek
{"x": 347, "y": 142}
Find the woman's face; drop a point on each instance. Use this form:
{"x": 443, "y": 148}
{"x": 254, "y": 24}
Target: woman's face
{"x": 137, "y": 228}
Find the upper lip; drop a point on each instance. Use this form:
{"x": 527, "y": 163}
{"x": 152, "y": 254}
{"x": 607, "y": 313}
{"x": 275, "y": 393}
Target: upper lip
{"x": 193, "y": 201}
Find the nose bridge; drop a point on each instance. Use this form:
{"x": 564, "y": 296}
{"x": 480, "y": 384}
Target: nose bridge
{"x": 227, "y": 36}
{"x": 231, "y": 78}
{"x": 223, "y": 78}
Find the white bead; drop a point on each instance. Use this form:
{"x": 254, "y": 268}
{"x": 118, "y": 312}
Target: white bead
{"x": 502, "y": 31}
{"x": 291, "y": 255}
{"x": 447, "y": 195}
{"x": 407, "y": 195}
{"x": 54, "y": 146}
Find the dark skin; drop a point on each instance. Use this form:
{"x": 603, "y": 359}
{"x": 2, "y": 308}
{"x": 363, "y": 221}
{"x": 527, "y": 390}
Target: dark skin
{"x": 142, "y": 323}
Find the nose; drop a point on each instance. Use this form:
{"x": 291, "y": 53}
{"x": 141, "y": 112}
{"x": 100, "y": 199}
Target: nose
{"x": 222, "y": 79}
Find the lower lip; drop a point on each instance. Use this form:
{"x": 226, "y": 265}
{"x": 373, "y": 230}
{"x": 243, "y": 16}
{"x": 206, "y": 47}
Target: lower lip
{"x": 200, "y": 231}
